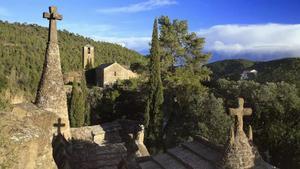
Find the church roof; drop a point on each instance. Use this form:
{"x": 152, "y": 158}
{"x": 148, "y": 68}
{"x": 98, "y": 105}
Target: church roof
{"x": 105, "y": 65}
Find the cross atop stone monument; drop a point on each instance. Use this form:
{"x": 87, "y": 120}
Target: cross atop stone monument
{"x": 240, "y": 112}
{"x": 51, "y": 95}
{"x": 52, "y": 16}
{"x": 59, "y": 125}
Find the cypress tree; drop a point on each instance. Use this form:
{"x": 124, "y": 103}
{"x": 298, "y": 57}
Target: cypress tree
{"x": 84, "y": 90}
{"x": 153, "y": 114}
{"x": 77, "y": 107}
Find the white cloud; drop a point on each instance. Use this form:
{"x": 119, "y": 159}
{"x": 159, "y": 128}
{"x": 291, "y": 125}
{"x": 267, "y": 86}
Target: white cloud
{"x": 261, "y": 40}
{"x": 139, "y": 7}
{"x": 140, "y": 44}
{"x": 109, "y": 33}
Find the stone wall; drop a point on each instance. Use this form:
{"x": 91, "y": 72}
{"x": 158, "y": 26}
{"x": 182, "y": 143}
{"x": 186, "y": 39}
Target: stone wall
{"x": 25, "y": 138}
{"x": 101, "y": 134}
{"x": 110, "y": 74}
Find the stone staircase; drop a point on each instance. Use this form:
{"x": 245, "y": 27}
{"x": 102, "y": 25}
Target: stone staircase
{"x": 199, "y": 154}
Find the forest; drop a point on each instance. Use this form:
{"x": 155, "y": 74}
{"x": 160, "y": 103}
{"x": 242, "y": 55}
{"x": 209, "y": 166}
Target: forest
{"x": 178, "y": 94}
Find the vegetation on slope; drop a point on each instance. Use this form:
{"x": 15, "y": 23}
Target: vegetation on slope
{"x": 287, "y": 70}
{"x": 22, "y": 49}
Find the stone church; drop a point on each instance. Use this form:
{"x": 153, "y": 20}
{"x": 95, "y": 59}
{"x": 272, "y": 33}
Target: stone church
{"x": 103, "y": 75}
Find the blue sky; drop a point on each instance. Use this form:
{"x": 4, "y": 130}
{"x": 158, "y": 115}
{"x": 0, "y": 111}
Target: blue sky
{"x": 255, "y": 29}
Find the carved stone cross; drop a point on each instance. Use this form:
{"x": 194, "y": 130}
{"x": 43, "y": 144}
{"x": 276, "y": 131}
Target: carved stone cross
{"x": 52, "y": 16}
{"x": 59, "y": 125}
{"x": 240, "y": 112}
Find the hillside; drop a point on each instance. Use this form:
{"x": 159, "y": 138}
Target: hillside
{"x": 22, "y": 49}
{"x": 271, "y": 71}
{"x": 229, "y": 69}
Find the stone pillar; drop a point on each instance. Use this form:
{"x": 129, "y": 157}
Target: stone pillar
{"x": 51, "y": 94}
{"x": 239, "y": 153}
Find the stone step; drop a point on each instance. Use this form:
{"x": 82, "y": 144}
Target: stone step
{"x": 149, "y": 165}
{"x": 204, "y": 151}
{"x": 98, "y": 164}
{"x": 168, "y": 162}
{"x": 189, "y": 159}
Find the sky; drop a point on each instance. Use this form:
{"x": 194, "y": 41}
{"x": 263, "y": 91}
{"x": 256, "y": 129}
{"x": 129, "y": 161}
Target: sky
{"x": 249, "y": 29}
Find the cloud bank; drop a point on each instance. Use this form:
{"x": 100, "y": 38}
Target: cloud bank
{"x": 138, "y": 7}
{"x": 256, "y": 42}
{"x": 259, "y": 42}
{"x": 140, "y": 44}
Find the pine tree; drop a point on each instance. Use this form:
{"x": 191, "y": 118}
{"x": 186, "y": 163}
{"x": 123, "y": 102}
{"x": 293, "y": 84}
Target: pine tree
{"x": 77, "y": 107}
{"x": 155, "y": 98}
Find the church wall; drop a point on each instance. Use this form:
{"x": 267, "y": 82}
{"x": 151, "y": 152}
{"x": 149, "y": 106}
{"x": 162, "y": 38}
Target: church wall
{"x": 116, "y": 72}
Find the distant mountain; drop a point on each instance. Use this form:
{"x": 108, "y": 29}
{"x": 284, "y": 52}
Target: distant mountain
{"x": 287, "y": 70}
{"x": 22, "y": 50}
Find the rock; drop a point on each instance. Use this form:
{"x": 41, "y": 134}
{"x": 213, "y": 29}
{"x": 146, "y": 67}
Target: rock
{"x": 25, "y": 138}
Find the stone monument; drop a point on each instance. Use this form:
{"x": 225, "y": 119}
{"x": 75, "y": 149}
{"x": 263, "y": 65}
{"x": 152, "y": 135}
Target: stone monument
{"x": 51, "y": 95}
{"x": 239, "y": 153}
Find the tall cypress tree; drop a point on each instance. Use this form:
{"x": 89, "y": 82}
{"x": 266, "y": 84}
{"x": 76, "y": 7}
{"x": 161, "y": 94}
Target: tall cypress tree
{"x": 77, "y": 107}
{"x": 153, "y": 114}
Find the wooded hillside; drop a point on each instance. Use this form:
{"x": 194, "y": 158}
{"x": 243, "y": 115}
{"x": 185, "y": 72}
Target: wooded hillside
{"x": 22, "y": 49}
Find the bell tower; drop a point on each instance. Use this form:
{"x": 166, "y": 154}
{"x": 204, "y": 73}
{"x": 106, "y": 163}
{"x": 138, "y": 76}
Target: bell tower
{"x": 88, "y": 56}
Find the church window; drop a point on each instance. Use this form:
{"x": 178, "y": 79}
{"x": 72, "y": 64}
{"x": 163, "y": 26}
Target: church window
{"x": 115, "y": 73}
{"x": 89, "y": 50}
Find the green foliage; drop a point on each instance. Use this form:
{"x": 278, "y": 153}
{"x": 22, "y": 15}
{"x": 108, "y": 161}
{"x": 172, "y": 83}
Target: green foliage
{"x": 84, "y": 90}
{"x": 77, "y": 107}
{"x": 275, "y": 120}
{"x": 126, "y": 100}
{"x": 190, "y": 110}
{"x": 3, "y": 86}
{"x": 22, "y": 47}
{"x": 180, "y": 47}
{"x": 153, "y": 115}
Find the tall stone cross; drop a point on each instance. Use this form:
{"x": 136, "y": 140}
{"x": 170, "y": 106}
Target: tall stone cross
{"x": 240, "y": 112}
{"x": 59, "y": 125}
{"x": 52, "y": 16}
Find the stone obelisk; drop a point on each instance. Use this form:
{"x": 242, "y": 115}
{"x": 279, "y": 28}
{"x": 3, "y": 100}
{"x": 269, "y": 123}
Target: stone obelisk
{"x": 239, "y": 152}
{"x": 51, "y": 94}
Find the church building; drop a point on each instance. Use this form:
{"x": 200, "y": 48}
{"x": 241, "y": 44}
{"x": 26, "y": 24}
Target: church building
{"x": 105, "y": 74}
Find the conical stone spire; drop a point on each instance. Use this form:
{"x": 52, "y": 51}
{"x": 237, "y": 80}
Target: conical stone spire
{"x": 239, "y": 153}
{"x": 51, "y": 95}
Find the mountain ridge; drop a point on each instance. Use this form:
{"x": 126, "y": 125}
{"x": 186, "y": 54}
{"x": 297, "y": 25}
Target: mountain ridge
{"x": 278, "y": 70}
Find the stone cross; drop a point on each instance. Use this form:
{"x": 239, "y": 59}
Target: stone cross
{"x": 52, "y": 16}
{"x": 240, "y": 112}
{"x": 59, "y": 125}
